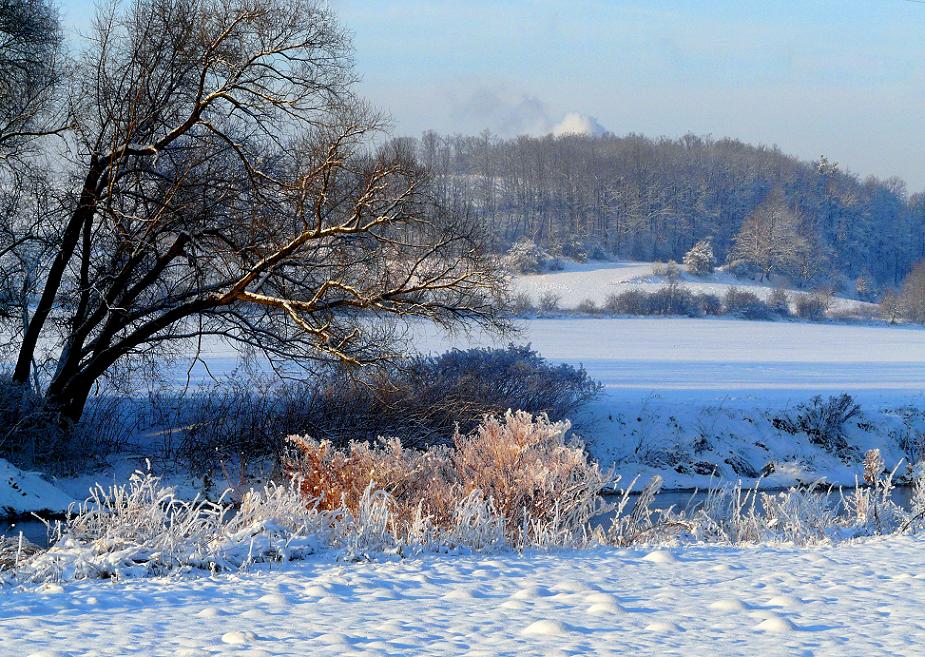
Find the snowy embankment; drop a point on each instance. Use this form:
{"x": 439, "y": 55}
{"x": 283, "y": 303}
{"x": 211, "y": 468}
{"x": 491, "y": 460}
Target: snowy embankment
{"x": 684, "y": 398}
{"x": 765, "y": 601}
{"x": 596, "y": 280}
{"x": 22, "y": 493}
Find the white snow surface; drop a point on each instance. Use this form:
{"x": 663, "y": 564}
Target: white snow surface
{"x": 596, "y": 280}
{"x": 679, "y": 392}
{"x": 28, "y": 492}
{"x": 852, "y": 598}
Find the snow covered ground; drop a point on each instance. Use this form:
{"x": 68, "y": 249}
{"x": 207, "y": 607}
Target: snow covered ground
{"x": 596, "y": 280}
{"x": 680, "y": 393}
{"x": 850, "y": 599}
{"x": 28, "y": 492}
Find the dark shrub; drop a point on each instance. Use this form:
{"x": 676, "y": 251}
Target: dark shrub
{"x": 709, "y": 304}
{"x": 34, "y": 435}
{"x": 745, "y": 304}
{"x": 521, "y": 303}
{"x": 420, "y": 401}
{"x": 812, "y": 307}
{"x": 588, "y": 307}
{"x": 549, "y": 302}
{"x": 824, "y": 422}
{"x": 630, "y": 302}
{"x": 779, "y": 302}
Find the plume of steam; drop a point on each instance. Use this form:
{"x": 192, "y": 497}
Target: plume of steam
{"x": 578, "y": 124}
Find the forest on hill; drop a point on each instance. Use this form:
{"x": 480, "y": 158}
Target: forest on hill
{"x": 653, "y": 199}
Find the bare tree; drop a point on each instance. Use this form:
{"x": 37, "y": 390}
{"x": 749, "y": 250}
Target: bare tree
{"x": 770, "y": 240}
{"x": 221, "y": 185}
{"x": 31, "y": 64}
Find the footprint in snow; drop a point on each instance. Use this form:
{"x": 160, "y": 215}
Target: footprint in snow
{"x": 603, "y": 604}
{"x": 51, "y": 589}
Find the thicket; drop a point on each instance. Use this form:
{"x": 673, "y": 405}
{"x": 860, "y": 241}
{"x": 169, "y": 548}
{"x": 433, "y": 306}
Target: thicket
{"x": 422, "y": 400}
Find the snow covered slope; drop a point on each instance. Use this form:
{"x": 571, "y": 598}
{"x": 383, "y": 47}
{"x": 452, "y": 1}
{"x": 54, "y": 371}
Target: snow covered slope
{"x": 26, "y": 492}
{"x": 596, "y": 280}
{"x": 850, "y": 599}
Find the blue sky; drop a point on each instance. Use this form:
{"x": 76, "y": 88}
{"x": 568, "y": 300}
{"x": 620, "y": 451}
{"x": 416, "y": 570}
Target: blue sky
{"x": 842, "y": 78}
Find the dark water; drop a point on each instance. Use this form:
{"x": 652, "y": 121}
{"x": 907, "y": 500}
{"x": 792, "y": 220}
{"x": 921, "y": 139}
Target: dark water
{"x": 32, "y": 529}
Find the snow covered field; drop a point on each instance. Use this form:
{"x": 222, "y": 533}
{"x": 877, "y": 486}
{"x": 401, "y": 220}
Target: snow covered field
{"x": 850, "y": 599}
{"x": 671, "y": 384}
{"x": 596, "y": 280}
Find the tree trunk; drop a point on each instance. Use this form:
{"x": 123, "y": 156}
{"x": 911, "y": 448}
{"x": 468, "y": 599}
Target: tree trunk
{"x": 84, "y": 212}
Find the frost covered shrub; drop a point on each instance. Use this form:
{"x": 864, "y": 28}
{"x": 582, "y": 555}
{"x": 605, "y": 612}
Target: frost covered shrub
{"x": 813, "y": 307}
{"x": 745, "y": 304}
{"x": 823, "y": 421}
{"x": 700, "y": 260}
{"x": 668, "y": 270}
{"x": 524, "y": 257}
{"x": 523, "y": 466}
{"x": 673, "y": 300}
{"x": 779, "y": 302}
{"x": 667, "y": 300}
{"x": 549, "y": 301}
{"x": 521, "y": 303}
{"x": 588, "y": 307}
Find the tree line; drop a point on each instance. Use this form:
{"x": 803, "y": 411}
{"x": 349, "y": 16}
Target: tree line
{"x": 653, "y": 199}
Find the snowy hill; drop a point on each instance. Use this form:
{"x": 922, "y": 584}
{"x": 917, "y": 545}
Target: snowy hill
{"x": 596, "y": 280}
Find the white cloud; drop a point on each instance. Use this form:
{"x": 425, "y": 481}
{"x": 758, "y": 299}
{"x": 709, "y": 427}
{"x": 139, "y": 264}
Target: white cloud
{"x": 575, "y": 123}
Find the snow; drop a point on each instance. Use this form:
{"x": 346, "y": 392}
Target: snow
{"x": 840, "y": 600}
{"x": 669, "y": 382}
{"x": 27, "y": 492}
{"x": 596, "y": 280}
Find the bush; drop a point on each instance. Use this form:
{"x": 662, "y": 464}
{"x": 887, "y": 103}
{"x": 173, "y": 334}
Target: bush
{"x": 700, "y": 260}
{"x": 524, "y": 257}
{"x": 630, "y": 302}
{"x": 549, "y": 301}
{"x": 588, "y": 307}
{"x": 421, "y": 400}
{"x": 34, "y": 435}
{"x": 668, "y": 270}
{"x": 709, "y": 304}
{"x": 813, "y": 307}
{"x": 521, "y": 303}
{"x": 779, "y": 302}
{"x": 524, "y": 467}
{"x": 823, "y": 421}
{"x": 745, "y": 304}
{"x": 668, "y": 300}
